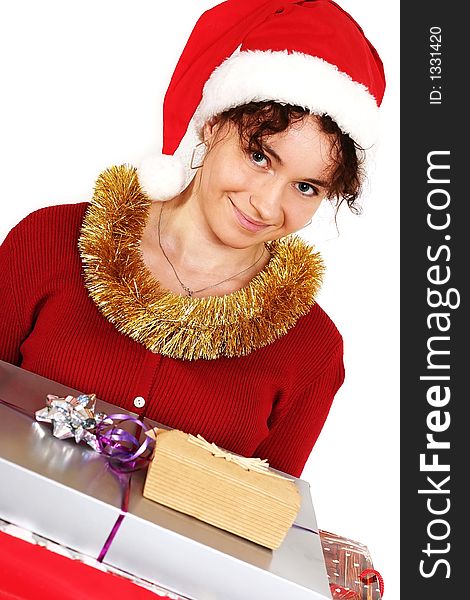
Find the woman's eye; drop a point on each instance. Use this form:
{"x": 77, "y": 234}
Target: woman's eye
{"x": 259, "y": 158}
{"x": 306, "y": 189}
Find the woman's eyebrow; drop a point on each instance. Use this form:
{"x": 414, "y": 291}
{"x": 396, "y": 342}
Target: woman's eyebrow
{"x": 318, "y": 182}
{"x": 275, "y": 155}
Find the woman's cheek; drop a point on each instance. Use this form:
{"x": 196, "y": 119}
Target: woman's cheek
{"x": 236, "y": 177}
{"x": 297, "y": 211}
{"x": 251, "y": 177}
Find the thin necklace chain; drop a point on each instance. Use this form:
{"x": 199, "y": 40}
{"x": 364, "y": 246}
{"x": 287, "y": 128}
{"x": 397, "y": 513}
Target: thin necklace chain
{"x": 185, "y": 287}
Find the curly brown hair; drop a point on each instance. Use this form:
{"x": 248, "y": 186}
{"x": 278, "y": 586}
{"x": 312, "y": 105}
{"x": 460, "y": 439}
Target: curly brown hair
{"x": 258, "y": 120}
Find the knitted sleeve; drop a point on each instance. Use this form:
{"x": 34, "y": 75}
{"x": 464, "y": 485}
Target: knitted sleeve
{"x": 13, "y": 330}
{"x": 295, "y": 425}
{"x": 36, "y": 258}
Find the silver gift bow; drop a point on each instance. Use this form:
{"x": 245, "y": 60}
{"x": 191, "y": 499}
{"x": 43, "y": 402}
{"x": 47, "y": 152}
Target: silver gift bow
{"x": 73, "y": 417}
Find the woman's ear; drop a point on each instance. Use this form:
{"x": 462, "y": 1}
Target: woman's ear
{"x": 210, "y": 129}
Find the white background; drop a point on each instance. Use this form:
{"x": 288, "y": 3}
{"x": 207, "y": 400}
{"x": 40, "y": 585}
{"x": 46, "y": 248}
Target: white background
{"x": 82, "y": 89}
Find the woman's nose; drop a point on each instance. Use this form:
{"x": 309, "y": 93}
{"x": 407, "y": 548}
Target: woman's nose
{"x": 267, "y": 202}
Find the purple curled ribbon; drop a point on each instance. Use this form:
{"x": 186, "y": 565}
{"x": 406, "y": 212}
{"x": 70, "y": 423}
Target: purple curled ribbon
{"x": 121, "y": 447}
{"x": 126, "y": 455}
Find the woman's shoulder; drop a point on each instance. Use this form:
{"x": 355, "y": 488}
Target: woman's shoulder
{"x": 317, "y": 323}
{"x": 46, "y": 235}
{"x": 60, "y": 221}
{"x": 65, "y": 215}
{"x": 315, "y": 335}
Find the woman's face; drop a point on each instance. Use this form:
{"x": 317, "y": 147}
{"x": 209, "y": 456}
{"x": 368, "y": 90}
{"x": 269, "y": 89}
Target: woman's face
{"x": 252, "y": 197}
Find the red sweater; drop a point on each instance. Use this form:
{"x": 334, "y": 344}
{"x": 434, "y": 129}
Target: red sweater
{"x": 271, "y": 403}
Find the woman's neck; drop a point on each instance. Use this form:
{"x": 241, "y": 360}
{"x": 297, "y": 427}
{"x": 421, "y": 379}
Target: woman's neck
{"x": 178, "y": 233}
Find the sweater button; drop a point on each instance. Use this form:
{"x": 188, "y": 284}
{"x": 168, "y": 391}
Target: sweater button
{"x": 139, "y": 402}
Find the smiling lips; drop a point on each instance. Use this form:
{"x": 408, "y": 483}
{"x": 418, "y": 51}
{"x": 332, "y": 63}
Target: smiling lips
{"x": 246, "y": 222}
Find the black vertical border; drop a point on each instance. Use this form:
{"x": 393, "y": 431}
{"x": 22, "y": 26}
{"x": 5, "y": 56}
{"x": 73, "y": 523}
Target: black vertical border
{"x": 424, "y": 128}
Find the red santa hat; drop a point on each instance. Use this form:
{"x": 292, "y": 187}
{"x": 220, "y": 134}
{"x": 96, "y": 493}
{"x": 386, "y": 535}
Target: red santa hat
{"x": 310, "y": 54}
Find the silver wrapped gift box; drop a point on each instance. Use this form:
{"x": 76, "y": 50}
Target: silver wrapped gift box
{"x": 66, "y": 492}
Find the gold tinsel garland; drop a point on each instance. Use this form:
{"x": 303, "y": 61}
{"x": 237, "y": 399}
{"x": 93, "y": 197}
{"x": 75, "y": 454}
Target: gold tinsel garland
{"x": 129, "y": 296}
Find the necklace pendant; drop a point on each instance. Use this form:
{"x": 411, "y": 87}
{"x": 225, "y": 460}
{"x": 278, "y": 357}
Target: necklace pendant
{"x": 188, "y": 291}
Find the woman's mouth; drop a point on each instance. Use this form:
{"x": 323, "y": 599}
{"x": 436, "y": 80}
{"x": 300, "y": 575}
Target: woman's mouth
{"x": 247, "y": 222}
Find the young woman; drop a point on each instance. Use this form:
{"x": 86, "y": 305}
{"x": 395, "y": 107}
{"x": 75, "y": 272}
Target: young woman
{"x": 180, "y": 283}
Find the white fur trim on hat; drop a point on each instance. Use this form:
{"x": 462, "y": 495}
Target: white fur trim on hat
{"x": 161, "y": 176}
{"x": 280, "y": 76}
{"x": 294, "y": 78}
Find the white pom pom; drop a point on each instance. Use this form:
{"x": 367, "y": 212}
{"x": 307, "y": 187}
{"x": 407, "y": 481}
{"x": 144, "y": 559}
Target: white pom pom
{"x": 161, "y": 176}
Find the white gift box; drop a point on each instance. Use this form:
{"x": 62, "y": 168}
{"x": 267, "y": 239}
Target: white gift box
{"x": 66, "y": 492}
